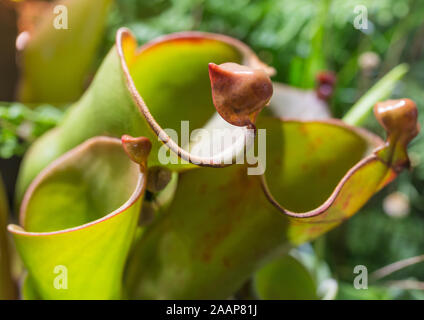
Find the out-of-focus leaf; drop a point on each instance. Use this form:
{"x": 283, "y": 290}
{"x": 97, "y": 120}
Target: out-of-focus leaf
{"x": 7, "y": 285}
{"x": 56, "y": 62}
{"x": 299, "y": 275}
{"x": 154, "y": 87}
{"x": 223, "y": 224}
{"x": 78, "y": 221}
{"x": 381, "y": 90}
{"x": 285, "y": 278}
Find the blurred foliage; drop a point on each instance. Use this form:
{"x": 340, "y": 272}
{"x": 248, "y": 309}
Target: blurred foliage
{"x": 20, "y": 125}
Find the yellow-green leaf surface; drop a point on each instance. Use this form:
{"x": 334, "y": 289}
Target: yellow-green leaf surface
{"x": 7, "y": 285}
{"x": 141, "y": 92}
{"x": 78, "y": 220}
{"x": 223, "y": 224}
{"x": 56, "y": 61}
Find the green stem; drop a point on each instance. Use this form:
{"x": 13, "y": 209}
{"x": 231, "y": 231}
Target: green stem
{"x": 380, "y": 91}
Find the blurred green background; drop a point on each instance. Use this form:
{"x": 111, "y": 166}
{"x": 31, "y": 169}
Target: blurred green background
{"x": 299, "y": 38}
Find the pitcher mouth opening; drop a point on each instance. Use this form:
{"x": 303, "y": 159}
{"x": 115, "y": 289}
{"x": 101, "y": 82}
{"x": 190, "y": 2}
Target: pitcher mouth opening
{"x": 192, "y": 151}
{"x": 366, "y": 157}
{"x": 136, "y": 191}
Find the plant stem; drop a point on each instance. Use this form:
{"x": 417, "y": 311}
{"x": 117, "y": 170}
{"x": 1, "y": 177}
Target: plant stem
{"x": 381, "y": 90}
{"x": 389, "y": 269}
